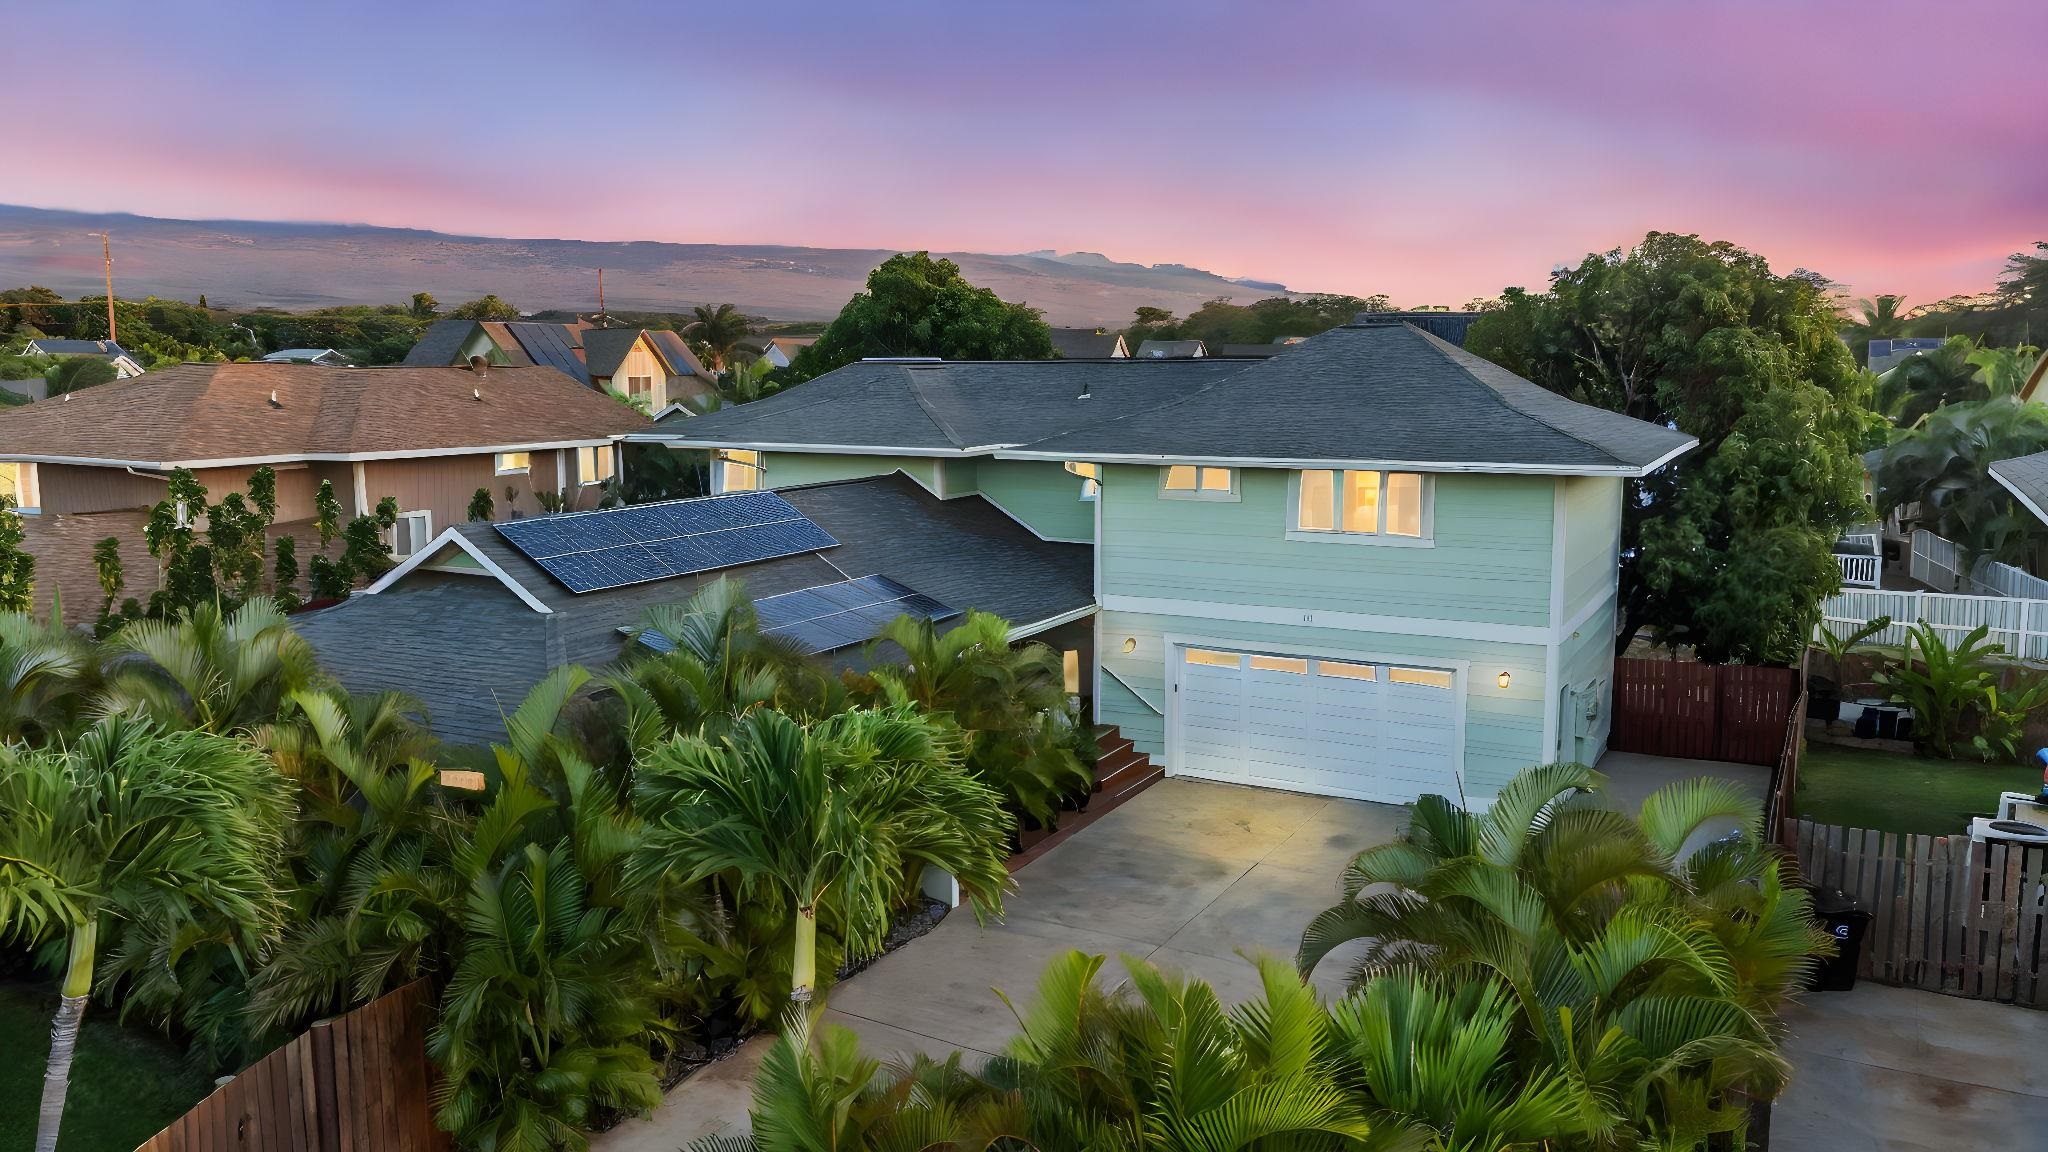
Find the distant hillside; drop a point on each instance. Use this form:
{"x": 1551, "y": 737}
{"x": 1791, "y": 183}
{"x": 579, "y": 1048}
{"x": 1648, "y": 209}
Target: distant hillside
{"x": 242, "y": 263}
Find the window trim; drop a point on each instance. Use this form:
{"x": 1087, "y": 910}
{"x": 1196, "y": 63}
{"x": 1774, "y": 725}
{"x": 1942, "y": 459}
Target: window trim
{"x": 28, "y": 482}
{"x": 426, "y": 532}
{"x": 1379, "y": 539}
{"x": 590, "y": 479}
{"x": 756, "y": 468}
{"x": 499, "y": 468}
{"x": 1232, "y": 496}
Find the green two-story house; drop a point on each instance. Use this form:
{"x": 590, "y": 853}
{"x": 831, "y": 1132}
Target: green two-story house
{"x": 1373, "y": 566}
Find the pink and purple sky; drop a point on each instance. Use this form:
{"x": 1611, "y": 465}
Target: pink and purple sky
{"x": 1433, "y": 151}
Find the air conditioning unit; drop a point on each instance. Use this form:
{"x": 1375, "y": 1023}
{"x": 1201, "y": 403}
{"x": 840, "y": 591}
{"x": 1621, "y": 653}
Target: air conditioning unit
{"x": 2021, "y": 819}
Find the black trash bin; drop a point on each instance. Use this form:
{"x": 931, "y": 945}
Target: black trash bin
{"x": 1844, "y": 919}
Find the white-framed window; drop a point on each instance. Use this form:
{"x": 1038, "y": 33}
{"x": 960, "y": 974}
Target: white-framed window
{"x": 412, "y": 532}
{"x": 1197, "y": 482}
{"x": 1091, "y": 477}
{"x": 1362, "y": 505}
{"x": 19, "y": 483}
{"x": 513, "y": 463}
{"x": 594, "y": 464}
{"x": 739, "y": 471}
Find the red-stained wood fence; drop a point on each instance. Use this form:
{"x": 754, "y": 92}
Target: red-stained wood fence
{"x": 1948, "y": 914}
{"x": 356, "y": 1083}
{"x": 1726, "y": 712}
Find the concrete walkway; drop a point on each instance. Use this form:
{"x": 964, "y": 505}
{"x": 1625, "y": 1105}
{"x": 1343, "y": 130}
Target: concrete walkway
{"x": 1185, "y": 875}
{"x": 1901, "y": 1070}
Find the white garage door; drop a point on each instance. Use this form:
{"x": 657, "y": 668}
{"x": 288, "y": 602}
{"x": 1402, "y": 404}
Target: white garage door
{"x": 1373, "y": 731}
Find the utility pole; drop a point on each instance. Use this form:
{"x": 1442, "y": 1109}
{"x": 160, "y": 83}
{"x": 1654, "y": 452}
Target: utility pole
{"x": 603, "y": 319}
{"x": 107, "y": 254}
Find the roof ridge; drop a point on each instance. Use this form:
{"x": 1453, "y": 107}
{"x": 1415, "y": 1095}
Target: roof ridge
{"x": 1444, "y": 348}
{"x": 932, "y": 413}
{"x": 1176, "y": 402}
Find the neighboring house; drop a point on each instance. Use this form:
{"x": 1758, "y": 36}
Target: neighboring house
{"x": 326, "y": 357}
{"x": 92, "y": 466}
{"x": 2031, "y": 390}
{"x": 1375, "y": 567}
{"x": 1444, "y": 325}
{"x": 1885, "y": 355}
{"x": 826, "y": 568}
{"x": 649, "y": 364}
{"x": 1171, "y": 350}
{"x": 125, "y": 365}
{"x": 780, "y": 351}
{"x": 1089, "y": 344}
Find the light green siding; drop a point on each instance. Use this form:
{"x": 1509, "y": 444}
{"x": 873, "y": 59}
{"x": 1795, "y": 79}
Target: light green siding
{"x": 1042, "y": 495}
{"x": 1592, "y": 519}
{"x": 1586, "y": 673}
{"x": 789, "y": 469}
{"x": 1490, "y": 562}
{"x": 962, "y": 474}
{"x": 1503, "y": 726}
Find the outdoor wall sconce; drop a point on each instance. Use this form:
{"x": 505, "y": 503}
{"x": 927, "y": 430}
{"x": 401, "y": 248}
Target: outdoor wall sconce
{"x": 1504, "y": 679}
{"x": 1130, "y": 644}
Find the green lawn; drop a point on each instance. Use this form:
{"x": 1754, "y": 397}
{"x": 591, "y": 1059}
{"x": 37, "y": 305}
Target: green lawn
{"x": 1894, "y": 793}
{"x": 125, "y": 1084}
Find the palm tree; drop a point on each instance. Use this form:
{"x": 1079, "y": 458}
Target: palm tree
{"x": 45, "y": 670}
{"x": 831, "y": 822}
{"x": 1010, "y": 701}
{"x": 1930, "y": 380}
{"x": 132, "y": 827}
{"x": 2005, "y": 370}
{"x": 716, "y": 664}
{"x": 1941, "y": 466}
{"x": 205, "y": 671}
{"x": 1879, "y": 319}
{"x": 718, "y": 328}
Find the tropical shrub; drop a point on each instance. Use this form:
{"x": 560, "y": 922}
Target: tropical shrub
{"x": 1946, "y": 687}
{"x": 716, "y": 665}
{"x": 1647, "y": 978}
{"x": 45, "y": 670}
{"x": 208, "y": 671}
{"x": 831, "y": 824}
{"x": 1009, "y": 701}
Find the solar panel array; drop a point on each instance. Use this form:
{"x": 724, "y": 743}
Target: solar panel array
{"x": 616, "y": 547}
{"x": 834, "y": 616}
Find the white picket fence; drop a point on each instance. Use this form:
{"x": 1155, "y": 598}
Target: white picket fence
{"x": 1938, "y": 563}
{"x": 2018, "y": 624}
{"x": 1863, "y": 568}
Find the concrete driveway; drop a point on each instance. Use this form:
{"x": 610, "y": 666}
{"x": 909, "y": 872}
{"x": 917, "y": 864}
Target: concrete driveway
{"x": 1901, "y": 1070}
{"x": 1185, "y": 875}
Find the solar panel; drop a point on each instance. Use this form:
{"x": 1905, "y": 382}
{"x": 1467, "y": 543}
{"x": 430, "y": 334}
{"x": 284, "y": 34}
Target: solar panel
{"x": 616, "y": 547}
{"x": 833, "y": 616}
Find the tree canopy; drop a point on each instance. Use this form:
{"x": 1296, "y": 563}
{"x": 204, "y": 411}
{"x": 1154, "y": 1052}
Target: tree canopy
{"x": 1222, "y": 322}
{"x": 1728, "y": 548}
{"x": 914, "y": 305}
{"x": 485, "y": 308}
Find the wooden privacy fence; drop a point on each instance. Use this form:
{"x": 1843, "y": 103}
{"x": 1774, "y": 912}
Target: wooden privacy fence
{"x": 1702, "y": 711}
{"x": 356, "y": 1083}
{"x": 1948, "y": 914}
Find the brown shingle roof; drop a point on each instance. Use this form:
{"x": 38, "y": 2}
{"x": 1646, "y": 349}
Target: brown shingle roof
{"x": 210, "y": 412}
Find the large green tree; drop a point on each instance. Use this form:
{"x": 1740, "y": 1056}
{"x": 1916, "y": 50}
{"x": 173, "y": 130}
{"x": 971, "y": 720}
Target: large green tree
{"x": 917, "y": 306}
{"x": 1941, "y": 466}
{"x": 1728, "y": 548}
{"x": 485, "y": 308}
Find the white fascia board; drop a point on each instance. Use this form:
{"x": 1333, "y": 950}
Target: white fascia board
{"x": 305, "y": 457}
{"x": 681, "y": 441}
{"x": 1297, "y": 463}
{"x": 2019, "y": 495}
{"x": 451, "y": 536}
{"x": 1020, "y": 631}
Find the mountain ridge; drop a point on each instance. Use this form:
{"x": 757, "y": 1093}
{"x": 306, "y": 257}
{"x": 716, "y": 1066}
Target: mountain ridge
{"x": 293, "y": 265}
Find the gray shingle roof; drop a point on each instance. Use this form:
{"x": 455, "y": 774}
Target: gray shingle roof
{"x": 2027, "y": 478}
{"x": 555, "y": 345}
{"x": 604, "y": 349}
{"x": 1086, "y": 343}
{"x": 469, "y": 649}
{"x": 947, "y": 407}
{"x": 1384, "y": 393}
{"x": 438, "y": 344}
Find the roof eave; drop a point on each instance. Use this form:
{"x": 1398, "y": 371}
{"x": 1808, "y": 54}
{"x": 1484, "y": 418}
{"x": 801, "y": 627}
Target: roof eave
{"x": 311, "y": 457}
{"x": 2019, "y": 492}
{"x": 1471, "y": 466}
{"x": 829, "y": 449}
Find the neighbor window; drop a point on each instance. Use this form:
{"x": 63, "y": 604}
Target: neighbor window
{"x": 509, "y": 463}
{"x": 639, "y": 385}
{"x": 18, "y": 485}
{"x": 1197, "y": 482}
{"x": 739, "y": 471}
{"x": 1091, "y": 477}
{"x": 1361, "y": 503}
{"x": 594, "y": 464}
{"x": 411, "y": 533}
